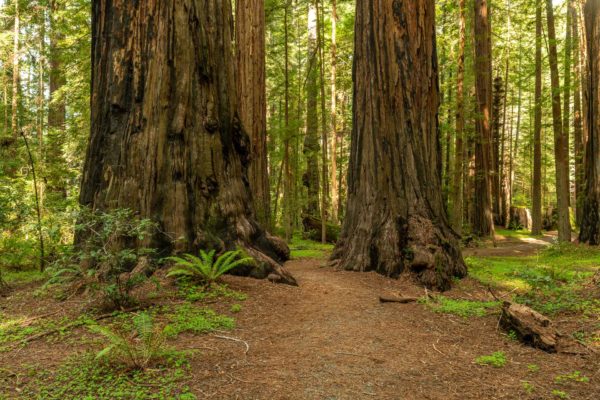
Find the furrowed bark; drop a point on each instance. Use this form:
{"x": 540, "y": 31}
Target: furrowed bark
{"x": 395, "y": 222}
{"x": 166, "y": 140}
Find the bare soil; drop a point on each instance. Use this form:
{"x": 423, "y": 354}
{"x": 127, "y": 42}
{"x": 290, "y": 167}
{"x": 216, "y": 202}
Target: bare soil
{"x": 330, "y": 338}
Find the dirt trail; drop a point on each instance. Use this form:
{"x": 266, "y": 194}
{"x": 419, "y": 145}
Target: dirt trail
{"x": 330, "y": 338}
{"x": 513, "y": 247}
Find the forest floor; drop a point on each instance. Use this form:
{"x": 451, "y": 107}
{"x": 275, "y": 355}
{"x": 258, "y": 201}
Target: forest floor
{"x": 329, "y": 338}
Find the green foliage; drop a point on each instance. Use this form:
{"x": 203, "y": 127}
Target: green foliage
{"x": 303, "y": 248}
{"x": 195, "y": 293}
{"x": 496, "y": 360}
{"x": 236, "y": 308}
{"x": 104, "y": 260}
{"x": 550, "y": 282}
{"x": 560, "y": 394}
{"x": 85, "y": 377}
{"x": 462, "y": 308}
{"x": 205, "y": 269}
{"x": 188, "y": 318}
{"x": 575, "y": 376}
{"x": 138, "y": 351}
{"x": 533, "y": 368}
{"x": 528, "y": 387}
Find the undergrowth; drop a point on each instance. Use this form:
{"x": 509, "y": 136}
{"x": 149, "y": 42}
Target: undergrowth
{"x": 188, "y": 318}
{"x": 84, "y": 377}
{"x": 551, "y": 282}
{"x": 496, "y": 360}
{"x": 462, "y": 308}
{"x": 304, "y": 248}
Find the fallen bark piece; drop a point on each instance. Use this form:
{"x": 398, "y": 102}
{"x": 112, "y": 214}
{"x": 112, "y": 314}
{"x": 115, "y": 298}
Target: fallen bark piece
{"x": 531, "y": 327}
{"x": 394, "y": 299}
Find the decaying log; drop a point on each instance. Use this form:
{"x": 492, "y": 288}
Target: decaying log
{"x": 312, "y": 226}
{"x": 531, "y": 327}
{"x": 394, "y": 299}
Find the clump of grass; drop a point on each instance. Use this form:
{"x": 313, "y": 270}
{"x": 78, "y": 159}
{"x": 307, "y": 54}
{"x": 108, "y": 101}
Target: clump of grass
{"x": 462, "y": 308}
{"x": 496, "y": 360}
{"x": 187, "y": 318}
{"x": 236, "y": 308}
{"x": 575, "y": 376}
{"x": 528, "y": 387}
{"x": 533, "y": 368}
{"x": 195, "y": 293}
{"x": 560, "y": 394}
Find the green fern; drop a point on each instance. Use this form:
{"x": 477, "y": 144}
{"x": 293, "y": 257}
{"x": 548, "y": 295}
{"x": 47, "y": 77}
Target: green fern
{"x": 139, "y": 350}
{"x": 204, "y": 268}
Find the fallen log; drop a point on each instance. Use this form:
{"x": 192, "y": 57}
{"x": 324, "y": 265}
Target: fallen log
{"x": 531, "y": 327}
{"x": 394, "y": 299}
{"x": 312, "y": 228}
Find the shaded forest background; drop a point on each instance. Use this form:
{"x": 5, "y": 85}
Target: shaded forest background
{"x": 45, "y": 74}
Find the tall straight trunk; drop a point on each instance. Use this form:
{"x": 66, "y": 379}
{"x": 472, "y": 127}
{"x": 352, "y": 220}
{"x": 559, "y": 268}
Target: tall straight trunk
{"x": 567, "y": 89}
{"x": 590, "y": 224}
{"x": 515, "y": 147}
{"x": 561, "y": 158}
{"x": 483, "y": 222}
{"x": 166, "y": 140}
{"x": 324, "y": 118}
{"x": 40, "y": 110}
{"x": 457, "y": 181}
{"x": 334, "y": 133}
{"x": 252, "y": 103}
{"x": 448, "y": 147}
{"x": 311, "y": 149}
{"x": 15, "y": 73}
{"x": 288, "y": 184}
{"x": 57, "y": 108}
{"x": 577, "y": 119}
{"x": 395, "y": 222}
{"x": 498, "y": 150}
{"x": 536, "y": 212}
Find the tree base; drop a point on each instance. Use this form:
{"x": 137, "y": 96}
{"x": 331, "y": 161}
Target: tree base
{"x": 427, "y": 252}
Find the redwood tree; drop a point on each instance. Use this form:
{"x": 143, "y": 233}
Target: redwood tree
{"x": 166, "y": 140}
{"x": 251, "y": 91}
{"x": 483, "y": 222}
{"x": 561, "y": 155}
{"x": 395, "y": 221}
{"x": 590, "y": 223}
{"x": 536, "y": 212}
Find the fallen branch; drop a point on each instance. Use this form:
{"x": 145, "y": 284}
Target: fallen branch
{"x": 393, "y": 299}
{"x": 235, "y": 340}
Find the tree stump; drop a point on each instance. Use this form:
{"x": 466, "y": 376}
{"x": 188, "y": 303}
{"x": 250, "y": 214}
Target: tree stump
{"x": 520, "y": 218}
{"x": 531, "y": 327}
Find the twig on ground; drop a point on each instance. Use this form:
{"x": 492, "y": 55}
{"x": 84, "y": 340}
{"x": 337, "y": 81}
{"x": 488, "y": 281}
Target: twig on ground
{"x": 235, "y": 340}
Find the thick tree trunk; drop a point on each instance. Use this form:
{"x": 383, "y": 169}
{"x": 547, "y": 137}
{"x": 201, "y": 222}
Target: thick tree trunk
{"x": 561, "y": 158}
{"x": 536, "y": 212}
{"x": 457, "y": 181}
{"x": 395, "y": 222}
{"x": 252, "y": 104}
{"x": 590, "y": 224}
{"x": 311, "y": 149}
{"x": 166, "y": 140}
{"x": 483, "y": 223}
